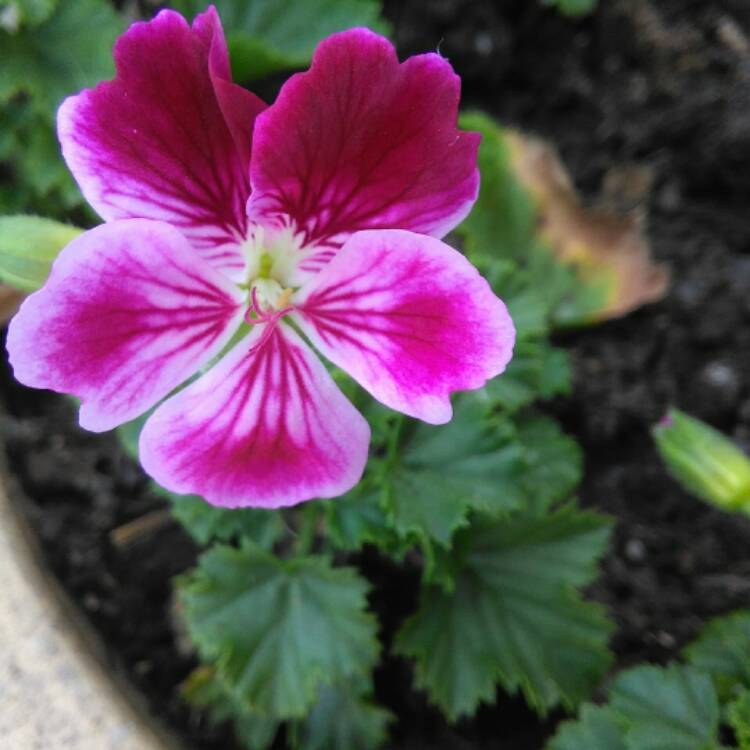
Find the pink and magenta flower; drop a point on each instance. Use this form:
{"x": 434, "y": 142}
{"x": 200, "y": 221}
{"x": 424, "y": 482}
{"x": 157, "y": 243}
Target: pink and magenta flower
{"x": 236, "y": 235}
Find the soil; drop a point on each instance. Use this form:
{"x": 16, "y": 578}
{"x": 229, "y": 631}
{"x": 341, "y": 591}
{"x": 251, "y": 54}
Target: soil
{"x": 656, "y": 90}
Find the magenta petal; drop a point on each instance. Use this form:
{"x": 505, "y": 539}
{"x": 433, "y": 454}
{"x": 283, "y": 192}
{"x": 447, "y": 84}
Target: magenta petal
{"x": 169, "y": 137}
{"x": 264, "y": 428}
{"x": 409, "y": 318}
{"x": 363, "y": 142}
{"x": 129, "y": 312}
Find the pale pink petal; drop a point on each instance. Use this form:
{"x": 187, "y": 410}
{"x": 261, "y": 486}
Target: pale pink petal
{"x": 363, "y": 142}
{"x": 129, "y": 312}
{"x": 169, "y": 137}
{"x": 409, "y": 318}
{"x": 266, "y": 427}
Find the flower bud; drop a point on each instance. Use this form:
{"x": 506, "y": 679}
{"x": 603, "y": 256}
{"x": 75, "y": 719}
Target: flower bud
{"x": 704, "y": 461}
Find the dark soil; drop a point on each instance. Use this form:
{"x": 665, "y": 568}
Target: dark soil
{"x": 663, "y": 87}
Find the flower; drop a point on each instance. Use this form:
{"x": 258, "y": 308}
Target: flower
{"x": 234, "y": 226}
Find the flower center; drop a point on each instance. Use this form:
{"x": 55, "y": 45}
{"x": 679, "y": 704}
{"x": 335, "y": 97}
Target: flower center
{"x": 273, "y": 255}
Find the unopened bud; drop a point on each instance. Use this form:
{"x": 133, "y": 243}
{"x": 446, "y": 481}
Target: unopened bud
{"x": 704, "y": 460}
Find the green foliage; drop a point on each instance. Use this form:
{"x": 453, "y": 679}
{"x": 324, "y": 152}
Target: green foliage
{"x": 205, "y": 690}
{"x": 536, "y": 371}
{"x": 650, "y": 708}
{"x": 441, "y": 472}
{"x": 28, "y": 245}
{"x": 738, "y": 717}
{"x": 71, "y": 50}
{"x": 278, "y": 630}
{"x": 678, "y": 707}
{"x": 553, "y": 461}
{"x": 15, "y": 13}
{"x": 674, "y": 707}
{"x": 266, "y": 36}
{"x": 55, "y": 49}
{"x": 206, "y": 523}
{"x": 723, "y": 651}
{"x": 501, "y": 236}
{"x": 573, "y": 7}
{"x": 596, "y": 728}
{"x": 343, "y": 719}
{"x": 514, "y": 617}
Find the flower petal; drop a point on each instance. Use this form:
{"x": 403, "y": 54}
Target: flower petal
{"x": 363, "y": 142}
{"x": 409, "y": 318}
{"x": 169, "y": 137}
{"x": 265, "y": 427}
{"x": 129, "y": 312}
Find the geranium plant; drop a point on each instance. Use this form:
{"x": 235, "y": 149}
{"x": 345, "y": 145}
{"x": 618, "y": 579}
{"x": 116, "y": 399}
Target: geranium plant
{"x": 237, "y": 238}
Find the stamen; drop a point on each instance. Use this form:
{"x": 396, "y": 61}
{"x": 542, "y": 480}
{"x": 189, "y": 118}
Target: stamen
{"x": 270, "y": 317}
{"x": 284, "y": 297}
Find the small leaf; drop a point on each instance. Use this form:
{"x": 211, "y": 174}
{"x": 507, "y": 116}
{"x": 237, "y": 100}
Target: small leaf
{"x": 672, "y": 708}
{"x": 266, "y": 36}
{"x": 343, "y": 719}
{"x": 723, "y": 651}
{"x": 596, "y": 728}
{"x": 278, "y": 630}
{"x": 553, "y": 461}
{"x": 28, "y": 245}
{"x": 447, "y": 469}
{"x": 536, "y": 371}
{"x": 358, "y": 518}
{"x": 513, "y": 616}
{"x": 207, "y": 523}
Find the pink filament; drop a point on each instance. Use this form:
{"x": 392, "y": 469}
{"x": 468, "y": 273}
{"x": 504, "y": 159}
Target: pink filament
{"x": 264, "y": 316}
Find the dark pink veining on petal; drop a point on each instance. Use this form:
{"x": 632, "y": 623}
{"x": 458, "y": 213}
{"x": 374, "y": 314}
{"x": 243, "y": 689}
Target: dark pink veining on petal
{"x": 160, "y": 140}
{"x": 129, "y": 312}
{"x": 363, "y": 142}
{"x": 409, "y": 318}
{"x": 267, "y": 426}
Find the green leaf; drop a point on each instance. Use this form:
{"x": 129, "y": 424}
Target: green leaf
{"x": 278, "y": 630}
{"x": 573, "y": 7}
{"x": 266, "y": 36}
{"x": 672, "y": 708}
{"x": 343, "y": 719}
{"x": 358, "y": 518}
{"x": 28, "y": 245}
{"x": 553, "y": 461}
{"x": 513, "y": 616}
{"x": 595, "y": 729}
{"x": 503, "y": 221}
{"x": 536, "y": 371}
{"x": 206, "y": 523}
{"x": 70, "y": 51}
{"x": 203, "y": 689}
{"x": 738, "y": 716}
{"x": 30, "y": 12}
{"x": 447, "y": 469}
{"x": 723, "y": 651}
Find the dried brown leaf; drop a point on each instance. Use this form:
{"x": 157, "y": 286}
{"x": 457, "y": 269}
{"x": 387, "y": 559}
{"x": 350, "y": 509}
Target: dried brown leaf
{"x": 607, "y": 249}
